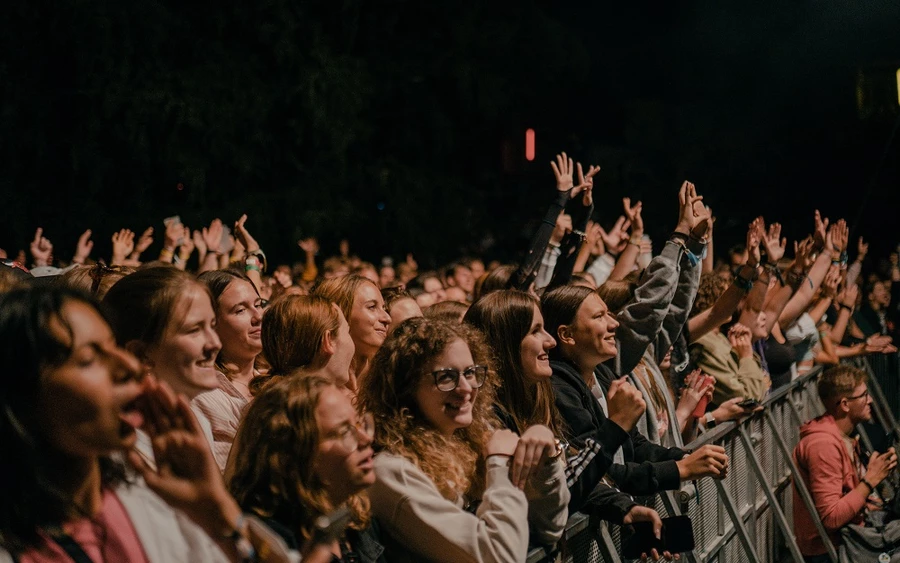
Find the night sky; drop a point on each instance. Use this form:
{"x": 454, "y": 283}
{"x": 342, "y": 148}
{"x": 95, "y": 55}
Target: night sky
{"x": 400, "y": 124}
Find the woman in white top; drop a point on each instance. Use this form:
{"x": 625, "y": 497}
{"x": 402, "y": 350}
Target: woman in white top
{"x": 239, "y": 326}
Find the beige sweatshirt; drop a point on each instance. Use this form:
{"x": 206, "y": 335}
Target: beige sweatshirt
{"x": 414, "y": 513}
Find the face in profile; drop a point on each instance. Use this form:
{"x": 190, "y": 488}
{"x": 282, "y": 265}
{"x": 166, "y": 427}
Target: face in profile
{"x": 448, "y": 411}
{"x": 860, "y": 404}
{"x": 239, "y": 320}
{"x": 368, "y": 320}
{"x": 594, "y": 329}
{"x": 344, "y": 458}
{"x": 87, "y": 405}
{"x": 185, "y": 356}
{"x": 338, "y": 366}
{"x": 534, "y": 348}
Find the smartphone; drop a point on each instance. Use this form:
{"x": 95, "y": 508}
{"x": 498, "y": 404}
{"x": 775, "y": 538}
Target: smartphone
{"x": 176, "y": 219}
{"x": 749, "y": 404}
{"x": 331, "y": 526}
{"x": 226, "y": 245}
{"x": 387, "y": 262}
{"x": 677, "y": 537}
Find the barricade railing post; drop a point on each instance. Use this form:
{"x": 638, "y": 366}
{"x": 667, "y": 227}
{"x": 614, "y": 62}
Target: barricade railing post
{"x": 607, "y": 545}
{"x": 770, "y": 495}
{"x": 736, "y": 520}
{"x": 805, "y": 496}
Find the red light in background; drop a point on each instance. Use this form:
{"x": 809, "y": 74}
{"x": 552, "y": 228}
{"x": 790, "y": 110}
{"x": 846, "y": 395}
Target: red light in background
{"x": 529, "y": 144}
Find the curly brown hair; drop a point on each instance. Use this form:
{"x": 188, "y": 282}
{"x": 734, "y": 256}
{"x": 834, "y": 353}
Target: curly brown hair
{"x": 270, "y": 471}
{"x": 712, "y": 286}
{"x": 453, "y": 463}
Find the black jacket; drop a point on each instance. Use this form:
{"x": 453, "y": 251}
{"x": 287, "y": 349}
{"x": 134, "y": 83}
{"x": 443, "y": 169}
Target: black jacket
{"x": 648, "y": 468}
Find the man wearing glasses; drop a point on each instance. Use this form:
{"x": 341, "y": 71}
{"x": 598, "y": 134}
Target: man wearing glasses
{"x": 830, "y": 461}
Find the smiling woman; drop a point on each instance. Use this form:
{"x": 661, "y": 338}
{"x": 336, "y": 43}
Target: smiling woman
{"x": 166, "y": 318}
{"x": 239, "y": 326}
{"x": 431, "y": 391}
{"x": 361, "y": 302}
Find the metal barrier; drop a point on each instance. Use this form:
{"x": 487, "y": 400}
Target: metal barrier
{"x": 747, "y": 517}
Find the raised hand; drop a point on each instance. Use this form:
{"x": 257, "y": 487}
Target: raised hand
{"x": 592, "y": 235}
{"x": 586, "y": 183}
{"x": 740, "y": 338}
{"x": 563, "y": 226}
{"x": 143, "y": 242}
{"x": 174, "y": 232}
{"x": 633, "y": 214}
{"x": 535, "y": 445}
{"x": 83, "y": 248}
{"x": 617, "y": 237}
{"x": 773, "y": 243}
{"x": 803, "y": 252}
{"x": 862, "y": 248}
{"x": 212, "y": 236}
{"x": 309, "y": 245}
{"x": 283, "y": 278}
{"x": 187, "y": 245}
{"x": 754, "y": 234}
{"x": 243, "y": 235}
{"x": 688, "y": 217}
{"x": 847, "y": 296}
{"x": 41, "y": 249}
{"x": 563, "y": 169}
{"x": 840, "y": 234}
{"x": 199, "y": 243}
{"x": 122, "y": 245}
{"x": 820, "y": 232}
{"x": 696, "y": 386}
{"x": 831, "y": 281}
{"x": 730, "y": 410}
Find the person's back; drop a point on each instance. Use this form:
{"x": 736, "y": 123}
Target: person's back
{"x": 829, "y": 461}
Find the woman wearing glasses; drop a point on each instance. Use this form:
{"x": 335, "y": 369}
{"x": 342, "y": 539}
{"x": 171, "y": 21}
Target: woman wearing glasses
{"x": 443, "y": 490}
{"x": 239, "y": 325}
{"x": 301, "y": 453}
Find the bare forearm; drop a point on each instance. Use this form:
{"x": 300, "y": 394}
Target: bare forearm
{"x": 625, "y": 263}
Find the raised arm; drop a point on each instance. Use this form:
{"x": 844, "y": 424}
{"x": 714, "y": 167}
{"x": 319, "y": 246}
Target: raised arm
{"x": 628, "y": 257}
{"x": 806, "y": 291}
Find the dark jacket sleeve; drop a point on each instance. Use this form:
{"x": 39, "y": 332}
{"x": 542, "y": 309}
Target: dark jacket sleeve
{"x": 527, "y": 271}
{"x": 647, "y": 478}
{"x": 593, "y": 446}
{"x": 609, "y": 504}
{"x": 571, "y": 244}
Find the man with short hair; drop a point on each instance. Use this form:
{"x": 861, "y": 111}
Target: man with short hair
{"x": 830, "y": 463}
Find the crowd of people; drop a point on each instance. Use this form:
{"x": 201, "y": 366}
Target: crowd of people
{"x": 338, "y": 411}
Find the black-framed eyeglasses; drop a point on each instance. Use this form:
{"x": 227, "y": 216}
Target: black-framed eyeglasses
{"x": 860, "y": 396}
{"x": 447, "y": 379}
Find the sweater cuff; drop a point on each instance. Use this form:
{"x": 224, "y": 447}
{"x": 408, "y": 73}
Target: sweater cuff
{"x": 611, "y": 437}
{"x": 668, "y": 475}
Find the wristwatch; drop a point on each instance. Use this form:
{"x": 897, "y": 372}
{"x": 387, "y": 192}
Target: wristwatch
{"x": 709, "y": 420}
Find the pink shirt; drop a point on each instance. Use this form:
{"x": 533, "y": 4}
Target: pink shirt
{"x": 110, "y": 538}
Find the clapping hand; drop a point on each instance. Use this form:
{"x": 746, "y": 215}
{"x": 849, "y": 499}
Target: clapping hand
{"x": 122, "y": 245}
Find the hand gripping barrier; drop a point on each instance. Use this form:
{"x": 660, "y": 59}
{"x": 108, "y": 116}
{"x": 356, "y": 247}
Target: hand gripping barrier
{"x": 747, "y": 517}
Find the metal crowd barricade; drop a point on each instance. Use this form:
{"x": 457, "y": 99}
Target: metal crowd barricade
{"x": 747, "y": 517}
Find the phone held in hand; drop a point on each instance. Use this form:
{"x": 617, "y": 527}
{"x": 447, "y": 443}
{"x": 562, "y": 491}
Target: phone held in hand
{"x": 331, "y": 526}
{"x": 677, "y": 537}
{"x": 173, "y": 220}
{"x": 749, "y": 404}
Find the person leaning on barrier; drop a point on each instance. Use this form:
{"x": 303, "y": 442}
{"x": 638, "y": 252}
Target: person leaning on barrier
{"x": 830, "y": 463}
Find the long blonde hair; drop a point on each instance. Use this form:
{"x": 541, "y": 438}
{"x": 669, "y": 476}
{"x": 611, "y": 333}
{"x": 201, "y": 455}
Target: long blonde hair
{"x": 453, "y": 463}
